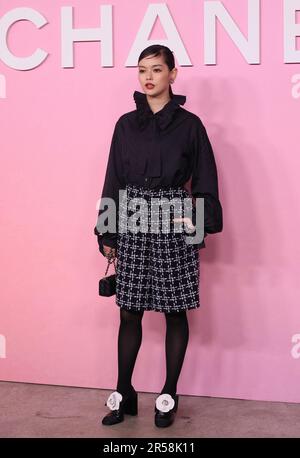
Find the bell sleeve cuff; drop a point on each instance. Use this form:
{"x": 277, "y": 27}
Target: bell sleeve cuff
{"x": 205, "y": 180}
{"x": 113, "y": 182}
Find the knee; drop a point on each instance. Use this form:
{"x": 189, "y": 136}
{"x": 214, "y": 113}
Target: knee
{"x": 131, "y": 316}
{"x": 176, "y": 317}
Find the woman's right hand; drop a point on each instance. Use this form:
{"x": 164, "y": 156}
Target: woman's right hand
{"x": 109, "y": 252}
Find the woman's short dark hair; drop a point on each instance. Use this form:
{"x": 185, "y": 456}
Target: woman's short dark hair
{"x": 160, "y": 50}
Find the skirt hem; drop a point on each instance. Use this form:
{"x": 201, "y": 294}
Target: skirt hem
{"x": 149, "y": 309}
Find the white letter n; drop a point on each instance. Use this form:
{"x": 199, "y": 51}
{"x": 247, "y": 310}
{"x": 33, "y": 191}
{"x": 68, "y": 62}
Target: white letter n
{"x": 249, "y": 48}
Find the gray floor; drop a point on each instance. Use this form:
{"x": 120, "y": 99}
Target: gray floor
{"x": 29, "y": 410}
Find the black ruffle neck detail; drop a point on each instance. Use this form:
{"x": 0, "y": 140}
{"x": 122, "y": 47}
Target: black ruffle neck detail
{"x": 163, "y": 116}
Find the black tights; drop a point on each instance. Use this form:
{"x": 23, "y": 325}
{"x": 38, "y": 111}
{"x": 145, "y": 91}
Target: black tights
{"x": 130, "y": 339}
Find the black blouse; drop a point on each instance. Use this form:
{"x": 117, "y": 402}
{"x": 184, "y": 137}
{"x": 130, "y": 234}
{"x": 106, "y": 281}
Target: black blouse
{"x": 166, "y": 148}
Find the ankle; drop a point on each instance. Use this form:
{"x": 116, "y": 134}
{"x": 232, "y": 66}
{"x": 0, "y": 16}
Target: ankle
{"x": 171, "y": 392}
{"x": 125, "y": 391}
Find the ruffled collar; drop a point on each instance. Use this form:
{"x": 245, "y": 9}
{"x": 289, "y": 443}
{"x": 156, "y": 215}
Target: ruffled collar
{"x": 163, "y": 116}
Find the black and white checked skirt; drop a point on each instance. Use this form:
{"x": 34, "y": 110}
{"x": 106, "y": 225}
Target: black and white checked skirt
{"x": 156, "y": 271}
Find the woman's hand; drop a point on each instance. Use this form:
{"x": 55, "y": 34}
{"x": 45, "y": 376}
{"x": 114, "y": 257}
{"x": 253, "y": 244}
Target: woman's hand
{"x": 109, "y": 252}
{"x": 188, "y": 223}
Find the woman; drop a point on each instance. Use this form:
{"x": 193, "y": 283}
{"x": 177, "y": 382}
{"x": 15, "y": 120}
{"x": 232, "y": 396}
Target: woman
{"x": 155, "y": 150}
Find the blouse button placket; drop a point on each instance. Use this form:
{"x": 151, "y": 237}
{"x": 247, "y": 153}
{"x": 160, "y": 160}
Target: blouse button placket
{"x": 147, "y": 180}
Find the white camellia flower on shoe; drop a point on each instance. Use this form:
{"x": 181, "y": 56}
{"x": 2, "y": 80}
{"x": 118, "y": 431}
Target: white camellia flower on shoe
{"x": 164, "y": 402}
{"x": 113, "y": 402}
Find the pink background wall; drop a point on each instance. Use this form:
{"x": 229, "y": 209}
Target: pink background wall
{"x": 56, "y": 126}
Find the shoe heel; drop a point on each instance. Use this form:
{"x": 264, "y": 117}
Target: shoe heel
{"x": 131, "y": 405}
{"x": 176, "y": 403}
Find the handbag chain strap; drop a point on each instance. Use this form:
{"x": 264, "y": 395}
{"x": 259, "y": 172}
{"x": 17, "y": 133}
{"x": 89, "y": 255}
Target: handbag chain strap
{"x": 110, "y": 259}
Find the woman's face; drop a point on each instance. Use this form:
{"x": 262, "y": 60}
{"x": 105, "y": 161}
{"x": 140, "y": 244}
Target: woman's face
{"x": 154, "y": 70}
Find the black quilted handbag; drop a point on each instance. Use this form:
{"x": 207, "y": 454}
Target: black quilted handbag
{"x": 107, "y": 285}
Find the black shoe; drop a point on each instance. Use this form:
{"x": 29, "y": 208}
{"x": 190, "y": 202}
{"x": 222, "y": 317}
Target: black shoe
{"x": 165, "y": 416}
{"x": 119, "y": 405}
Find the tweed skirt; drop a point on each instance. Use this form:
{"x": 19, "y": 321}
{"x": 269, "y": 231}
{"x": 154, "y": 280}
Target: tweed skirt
{"x": 155, "y": 270}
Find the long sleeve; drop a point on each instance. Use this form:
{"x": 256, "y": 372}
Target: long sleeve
{"x": 205, "y": 179}
{"x": 114, "y": 181}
